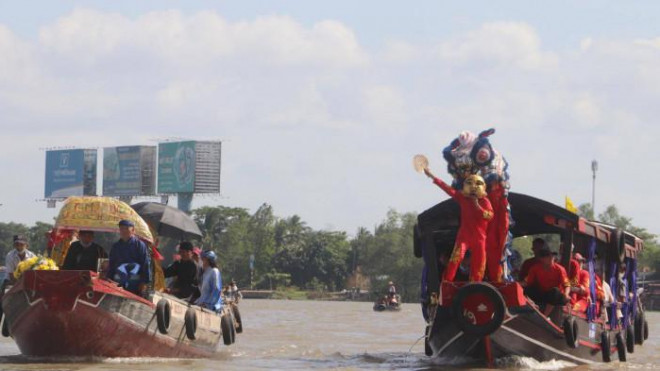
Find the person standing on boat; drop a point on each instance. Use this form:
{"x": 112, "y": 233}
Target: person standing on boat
{"x": 185, "y": 271}
{"x": 547, "y": 282}
{"x": 129, "y": 260}
{"x": 17, "y": 255}
{"x": 84, "y": 254}
{"x": 211, "y": 285}
{"x": 476, "y": 214}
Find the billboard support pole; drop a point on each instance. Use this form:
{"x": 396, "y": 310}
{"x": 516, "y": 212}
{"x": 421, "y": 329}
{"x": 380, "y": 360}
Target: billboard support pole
{"x": 184, "y": 201}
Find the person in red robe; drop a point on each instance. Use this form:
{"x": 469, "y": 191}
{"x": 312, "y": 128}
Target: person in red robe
{"x": 537, "y": 245}
{"x": 547, "y": 282}
{"x": 579, "y": 280}
{"x": 497, "y": 233}
{"x": 476, "y": 213}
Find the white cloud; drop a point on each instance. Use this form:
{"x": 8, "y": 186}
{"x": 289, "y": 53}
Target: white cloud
{"x": 500, "y": 43}
{"x": 317, "y": 124}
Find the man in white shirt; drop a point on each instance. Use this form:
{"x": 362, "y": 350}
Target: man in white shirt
{"x": 17, "y": 255}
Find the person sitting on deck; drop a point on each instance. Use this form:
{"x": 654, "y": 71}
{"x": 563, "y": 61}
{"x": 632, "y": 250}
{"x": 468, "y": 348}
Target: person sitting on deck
{"x": 211, "y": 285}
{"x": 84, "y": 254}
{"x": 129, "y": 262}
{"x": 14, "y": 257}
{"x": 391, "y": 289}
{"x": 579, "y": 279}
{"x": 547, "y": 282}
{"x": 537, "y": 245}
{"x": 185, "y": 271}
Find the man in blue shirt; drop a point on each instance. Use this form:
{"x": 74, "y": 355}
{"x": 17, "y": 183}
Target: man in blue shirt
{"x": 129, "y": 262}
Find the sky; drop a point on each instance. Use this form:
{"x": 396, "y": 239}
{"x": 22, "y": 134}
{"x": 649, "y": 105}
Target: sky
{"x": 322, "y": 105}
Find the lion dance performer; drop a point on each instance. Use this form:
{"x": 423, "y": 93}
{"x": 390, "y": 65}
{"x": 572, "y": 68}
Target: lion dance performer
{"x": 476, "y": 213}
{"x": 469, "y": 154}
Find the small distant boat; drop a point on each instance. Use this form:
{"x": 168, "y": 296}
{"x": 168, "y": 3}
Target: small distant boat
{"x": 388, "y": 305}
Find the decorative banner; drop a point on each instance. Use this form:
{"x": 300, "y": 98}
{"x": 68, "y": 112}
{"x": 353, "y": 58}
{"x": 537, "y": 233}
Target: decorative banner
{"x": 101, "y": 214}
{"x": 64, "y": 173}
{"x": 124, "y": 170}
{"x": 176, "y": 167}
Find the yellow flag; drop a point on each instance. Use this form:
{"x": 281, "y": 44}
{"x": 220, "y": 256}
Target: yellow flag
{"x": 570, "y": 206}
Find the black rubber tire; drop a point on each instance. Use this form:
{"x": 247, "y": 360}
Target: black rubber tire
{"x": 190, "y": 321}
{"x": 237, "y": 317}
{"x": 5, "y": 328}
{"x": 617, "y": 243}
{"x": 226, "y": 327}
{"x": 163, "y": 314}
{"x": 646, "y": 329}
{"x": 621, "y": 347}
{"x": 570, "y": 328}
{"x": 427, "y": 346}
{"x": 630, "y": 339}
{"x": 639, "y": 328}
{"x": 498, "y": 313}
{"x": 417, "y": 241}
{"x": 605, "y": 346}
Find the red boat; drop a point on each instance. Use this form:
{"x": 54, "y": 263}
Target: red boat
{"x": 74, "y": 313}
{"x": 487, "y": 320}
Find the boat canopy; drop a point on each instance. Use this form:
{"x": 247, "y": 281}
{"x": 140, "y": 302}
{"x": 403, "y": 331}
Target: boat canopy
{"x": 99, "y": 214}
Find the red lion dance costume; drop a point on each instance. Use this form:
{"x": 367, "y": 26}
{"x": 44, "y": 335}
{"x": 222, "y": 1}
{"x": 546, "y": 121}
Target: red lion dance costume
{"x": 467, "y": 155}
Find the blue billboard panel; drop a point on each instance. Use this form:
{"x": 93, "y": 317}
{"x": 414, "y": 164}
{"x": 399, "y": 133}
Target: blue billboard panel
{"x": 64, "y": 173}
{"x": 121, "y": 171}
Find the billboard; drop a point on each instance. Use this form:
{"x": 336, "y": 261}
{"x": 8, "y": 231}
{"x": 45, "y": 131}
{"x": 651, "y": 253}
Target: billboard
{"x": 129, "y": 170}
{"x": 207, "y": 167}
{"x": 189, "y": 167}
{"x": 176, "y": 167}
{"x": 70, "y": 172}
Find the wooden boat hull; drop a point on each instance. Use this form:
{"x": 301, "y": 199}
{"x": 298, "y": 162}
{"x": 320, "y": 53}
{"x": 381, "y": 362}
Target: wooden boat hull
{"x": 60, "y": 313}
{"x": 524, "y": 331}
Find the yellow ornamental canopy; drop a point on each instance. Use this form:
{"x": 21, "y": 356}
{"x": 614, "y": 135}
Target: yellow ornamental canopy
{"x": 100, "y": 214}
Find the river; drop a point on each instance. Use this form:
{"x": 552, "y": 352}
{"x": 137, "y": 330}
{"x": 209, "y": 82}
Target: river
{"x": 316, "y": 335}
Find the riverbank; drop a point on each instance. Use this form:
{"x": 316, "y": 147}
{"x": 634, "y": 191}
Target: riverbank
{"x": 295, "y": 294}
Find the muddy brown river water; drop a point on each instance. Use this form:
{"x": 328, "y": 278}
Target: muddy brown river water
{"x": 315, "y": 335}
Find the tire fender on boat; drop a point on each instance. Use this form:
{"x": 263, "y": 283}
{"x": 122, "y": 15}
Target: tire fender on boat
{"x": 190, "y": 320}
{"x": 621, "y": 347}
{"x": 163, "y": 314}
{"x": 605, "y": 347}
{"x": 571, "y": 333}
{"x": 630, "y": 339}
{"x": 646, "y": 329}
{"x": 226, "y": 327}
{"x": 237, "y": 317}
{"x": 478, "y": 309}
{"x": 639, "y": 328}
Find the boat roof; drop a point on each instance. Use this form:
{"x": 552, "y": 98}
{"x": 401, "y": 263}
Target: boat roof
{"x": 531, "y": 216}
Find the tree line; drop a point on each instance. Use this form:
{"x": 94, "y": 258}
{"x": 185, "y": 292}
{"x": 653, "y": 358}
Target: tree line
{"x": 287, "y": 253}
{"x": 264, "y": 251}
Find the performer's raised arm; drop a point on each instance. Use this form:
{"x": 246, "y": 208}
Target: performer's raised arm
{"x": 445, "y": 187}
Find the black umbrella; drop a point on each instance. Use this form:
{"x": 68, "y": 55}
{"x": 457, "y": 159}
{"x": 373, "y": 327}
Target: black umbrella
{"x": 168, "y": 221}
